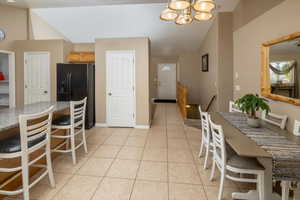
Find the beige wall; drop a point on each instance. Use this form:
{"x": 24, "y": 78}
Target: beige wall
{"x": 41, "y": 30}
{"x": 225, "y": 59}
{"x": 84, "y": 46}
{"x": 14, "y": 22}
{"x": 248, "y": 10}
{"x": 189, "y": 70}
{"x": 277, "y": 22}
{"x": 218, "y": 80}
{"x": 56, "y": 49}
{"x": 141, "y": 47}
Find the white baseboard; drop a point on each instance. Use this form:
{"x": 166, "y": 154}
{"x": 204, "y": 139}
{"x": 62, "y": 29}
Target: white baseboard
{"x": 142, "y": 126}
{"x": 101, "y": 125}
{"x": 136, "y": 126}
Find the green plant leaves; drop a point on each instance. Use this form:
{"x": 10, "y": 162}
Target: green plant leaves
{"x": 251, "y": 103}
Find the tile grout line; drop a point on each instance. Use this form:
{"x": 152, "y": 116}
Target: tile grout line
{"x": 108, "y": 169}
{"x": 135, "y": 179}
{"x": 195, "y": 162}
{"x": 168, "y": 176}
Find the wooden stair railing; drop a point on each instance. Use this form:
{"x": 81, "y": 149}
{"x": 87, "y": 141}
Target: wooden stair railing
{"x": 182, "y": 99}
{"x": 210, "y": 103}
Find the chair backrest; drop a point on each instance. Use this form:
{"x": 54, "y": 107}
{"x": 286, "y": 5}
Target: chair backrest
{"x": 78, "y": 109}
{"x": 296, "y": 130}
{"x": 35, "y": 127}
{"x": 200, "y": 109}
{"x": 278, "y": 120}
{"x": 205, "y": 127}
{"x": 233, "y": 107}
{"x": 218, "y": 144}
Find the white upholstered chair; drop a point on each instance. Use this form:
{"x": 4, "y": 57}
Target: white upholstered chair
{"x": 206, "y": 142}
{"x": 275, "y": 119}
{"x": 233, "y": 107}
{"x": 34, "y": 135}
{"x": 234, "y": 164}
{"x": 74, "y": 124}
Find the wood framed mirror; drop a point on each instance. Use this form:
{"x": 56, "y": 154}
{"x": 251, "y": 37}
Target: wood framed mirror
{"x": 280, "y": 71}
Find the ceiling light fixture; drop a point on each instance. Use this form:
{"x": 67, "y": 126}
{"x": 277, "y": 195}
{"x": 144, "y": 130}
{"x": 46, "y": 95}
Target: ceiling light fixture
{"x": 179, "y": 4}
{"x": 184, "y": 11}
{"x": 11, "y": 1}
{"x": 168, "y": 14}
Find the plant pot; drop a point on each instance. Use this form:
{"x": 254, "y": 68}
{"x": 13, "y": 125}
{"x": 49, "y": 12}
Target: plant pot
{"x": 253, "y": 122}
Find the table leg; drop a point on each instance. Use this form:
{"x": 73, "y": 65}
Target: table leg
{"x": 268, "y": 180}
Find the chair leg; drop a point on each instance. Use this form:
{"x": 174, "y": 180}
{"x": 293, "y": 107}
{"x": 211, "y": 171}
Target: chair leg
{"x": 201, "y": 148}
{"x": 221, "y": 189}
{"x": 213, "y": 171}
{"x": 25, "y": 177}
{"x": 73, "y": 148}
{"x": 84, "y": 140}
{"x": 285, "y": 190}
{"x": 49, "y": 166}
{"x": 206, "y": 155}
{"x": 260, "y": 186}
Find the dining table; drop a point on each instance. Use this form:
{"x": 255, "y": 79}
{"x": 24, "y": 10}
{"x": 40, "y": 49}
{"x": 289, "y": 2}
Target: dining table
{"x": 277, "y": 150}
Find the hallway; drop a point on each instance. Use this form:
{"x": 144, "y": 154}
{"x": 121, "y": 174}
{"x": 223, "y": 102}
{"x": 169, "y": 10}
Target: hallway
{"x": 160, "y": 163}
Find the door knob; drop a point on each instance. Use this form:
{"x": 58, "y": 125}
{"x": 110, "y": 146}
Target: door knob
{"x": 45, "y": 92}
{"x": 110, "y": 94}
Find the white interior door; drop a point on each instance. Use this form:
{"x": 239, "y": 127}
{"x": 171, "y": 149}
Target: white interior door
{"x": 120, "y": 84}
{"x": 166, "y": 76}
{"x": 36, "y": 77}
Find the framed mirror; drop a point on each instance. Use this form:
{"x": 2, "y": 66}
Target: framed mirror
{"x": 280, "y": 75}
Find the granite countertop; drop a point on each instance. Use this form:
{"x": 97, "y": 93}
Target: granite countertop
{"x": 9, "y": 118}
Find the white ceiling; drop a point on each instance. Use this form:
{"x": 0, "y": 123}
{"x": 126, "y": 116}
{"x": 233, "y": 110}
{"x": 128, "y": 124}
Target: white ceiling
{"x": 85, "y": 24}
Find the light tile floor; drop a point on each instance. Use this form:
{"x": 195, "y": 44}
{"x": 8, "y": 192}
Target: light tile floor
{"x": 131, "y": 164}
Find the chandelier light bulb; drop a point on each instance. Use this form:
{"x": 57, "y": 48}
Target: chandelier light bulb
{"x": 179, "y": 4}
{"x": 168, "y": 14}
{"x": 203, "y": 16}
{"x": 204, "y": 5}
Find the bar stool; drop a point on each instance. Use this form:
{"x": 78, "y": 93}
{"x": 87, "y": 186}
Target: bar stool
{"x": 74, "y": 124}
{"x": 33, "y": 136}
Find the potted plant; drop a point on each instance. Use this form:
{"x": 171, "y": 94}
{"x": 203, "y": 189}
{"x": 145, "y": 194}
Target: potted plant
{"x": 250, "y": 104}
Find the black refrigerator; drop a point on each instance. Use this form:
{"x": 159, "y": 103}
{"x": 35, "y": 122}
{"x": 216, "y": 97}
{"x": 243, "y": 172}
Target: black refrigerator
{"x": 75, "y": 82}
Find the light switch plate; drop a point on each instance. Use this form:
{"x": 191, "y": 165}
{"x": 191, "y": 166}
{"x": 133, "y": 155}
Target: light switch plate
{"x": 237, "y": 88}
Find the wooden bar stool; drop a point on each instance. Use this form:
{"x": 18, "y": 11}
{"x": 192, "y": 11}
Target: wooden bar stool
{"x": 74, "y": 124}
{"x": 34, "y": 134}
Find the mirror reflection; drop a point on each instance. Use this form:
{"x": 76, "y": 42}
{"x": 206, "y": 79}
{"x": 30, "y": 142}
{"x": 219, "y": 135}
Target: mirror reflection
{"x": 283, "y": 67}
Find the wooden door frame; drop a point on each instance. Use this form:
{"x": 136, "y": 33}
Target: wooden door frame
{"x": 12, "y": 77}
{"x": 133, "y": 52}
{"x": 49, "y": 68}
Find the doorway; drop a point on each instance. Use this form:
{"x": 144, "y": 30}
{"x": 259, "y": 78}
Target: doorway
{"x": 37, "y": 84}
{"x": 7, "y": 82}
{"x": 120, "y": 88}
{"x": 166, "y": 77}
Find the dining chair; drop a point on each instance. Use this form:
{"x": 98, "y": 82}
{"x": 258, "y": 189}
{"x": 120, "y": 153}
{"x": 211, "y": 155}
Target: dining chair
{"x": 275, "y": 119}
{"x": 206, "y": 142}
{"x": 234, "y": 164}
{"x": 34, "y": 135}
{"x": 74, "y": 124}
{"x": 296, "y": 130}
{"x": 233, "y": 107}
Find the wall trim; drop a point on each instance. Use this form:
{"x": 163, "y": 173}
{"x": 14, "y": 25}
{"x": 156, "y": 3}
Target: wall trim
{"x": 101, "y": 125}
{"x": 142, "y": 126}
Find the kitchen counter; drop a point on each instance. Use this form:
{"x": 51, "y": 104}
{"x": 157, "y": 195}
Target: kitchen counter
{"x": 9, "y": 118}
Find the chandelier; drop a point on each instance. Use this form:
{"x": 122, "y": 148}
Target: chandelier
{"x": 186, "y": 11}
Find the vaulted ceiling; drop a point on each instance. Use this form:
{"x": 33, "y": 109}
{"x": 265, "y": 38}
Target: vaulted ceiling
{"x": 123, "y": 18}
